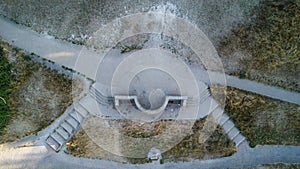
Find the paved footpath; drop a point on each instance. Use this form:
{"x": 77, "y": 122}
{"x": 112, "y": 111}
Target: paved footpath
{"x": 40, "y": 156}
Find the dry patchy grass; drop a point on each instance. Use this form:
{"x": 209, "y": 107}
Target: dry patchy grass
{"x": 38, "y": 96}
{"x": 218, "y": 145}
{"x": 263, "y": 120}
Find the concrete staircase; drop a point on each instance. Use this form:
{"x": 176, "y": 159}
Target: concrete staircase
{"x": 70, "y": 125}
{"x": 100, "y": 98}
{"x": 228, "y": 126}
{"x": 204, "y": 95}
{"x": 105, "y": 104}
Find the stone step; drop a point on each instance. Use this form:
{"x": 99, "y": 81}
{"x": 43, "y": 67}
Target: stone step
{"x": 72, "y": 122}
{"x": 204, "y": 95}
{"x": 227, "y": 126}
{"x": 91, "y": 106}
{"x": 238, "y": 140}
{"x": 81, "y": 110}
{"x": 233, "y": 133}
{"x": 223, "y": 119}
{"x": 53, "y": 144}
{"x": 103, "y": 102}
{"x": 77, "y": 116}
{"x": 67, "y": 127}
{"x": 100, "y": 98}
{"x": 234, "y": 136}
{"x": 58, "y": 138}
{"x": 97, "y": 92}
{"x": 217, "y": 113}
{"x": 63, "y": 133}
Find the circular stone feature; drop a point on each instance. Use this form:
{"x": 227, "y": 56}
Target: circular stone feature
{"x": 151, "y": 87}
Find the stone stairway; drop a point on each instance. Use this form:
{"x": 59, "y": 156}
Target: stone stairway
{"x": 70, "y": 125}
{"x": 104, "y": 111}
{"x": 204, "y": 95}
{"x": 228, "y": 126}
{"x": 104, "y": 100}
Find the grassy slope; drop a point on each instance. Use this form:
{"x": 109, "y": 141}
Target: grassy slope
{"x": 37, "y": 97}
{"x": 271, "y": 44}
{"x": 263, "y": 120}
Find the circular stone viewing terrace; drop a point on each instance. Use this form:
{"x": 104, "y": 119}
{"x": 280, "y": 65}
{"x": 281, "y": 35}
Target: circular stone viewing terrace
{"x": 149, "y": 85}
{"x": 150, "y": 92}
